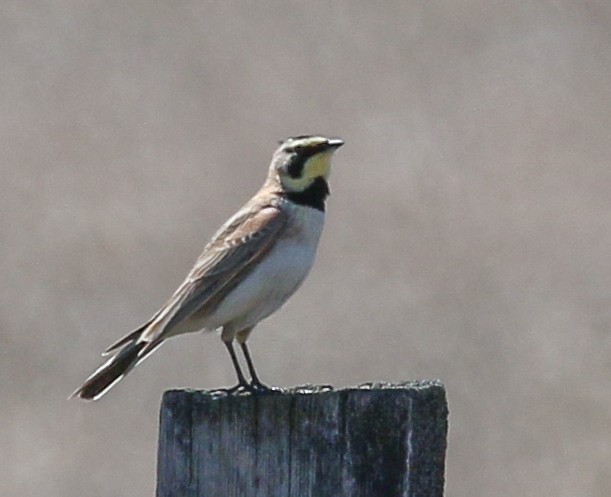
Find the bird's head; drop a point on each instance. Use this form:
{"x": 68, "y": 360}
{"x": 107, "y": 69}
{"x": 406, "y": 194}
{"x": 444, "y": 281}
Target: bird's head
{"x": 302, "y": 160}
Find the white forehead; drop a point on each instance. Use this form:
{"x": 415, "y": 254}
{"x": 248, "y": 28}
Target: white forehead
{"x": 305, "y": 141}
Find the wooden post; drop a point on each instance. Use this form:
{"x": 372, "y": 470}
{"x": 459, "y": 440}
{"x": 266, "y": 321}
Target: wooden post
{"x": 376, "y": 440}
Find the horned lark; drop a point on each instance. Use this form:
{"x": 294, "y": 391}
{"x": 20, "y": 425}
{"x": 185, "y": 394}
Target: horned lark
{"x": 252, "y": 265}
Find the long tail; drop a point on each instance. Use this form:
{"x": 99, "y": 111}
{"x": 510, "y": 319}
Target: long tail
{"x": 112, "y": 371}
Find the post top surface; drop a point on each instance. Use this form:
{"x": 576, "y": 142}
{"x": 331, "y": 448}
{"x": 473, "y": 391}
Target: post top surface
{"x": 308, "y": 389}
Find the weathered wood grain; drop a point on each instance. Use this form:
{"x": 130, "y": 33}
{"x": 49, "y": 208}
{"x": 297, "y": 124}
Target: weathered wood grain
{"x": 377, "y": 440}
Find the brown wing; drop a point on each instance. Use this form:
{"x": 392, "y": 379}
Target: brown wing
{"x": 242, "y": 240}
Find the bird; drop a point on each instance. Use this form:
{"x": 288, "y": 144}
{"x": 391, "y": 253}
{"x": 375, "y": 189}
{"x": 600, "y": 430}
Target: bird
{"x": 247, "y": 271}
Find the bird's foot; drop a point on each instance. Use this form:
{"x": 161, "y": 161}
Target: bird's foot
{"x": 239, "y": 389}
{"x": 253, "y": 388}
{"x": 257, "y": 387}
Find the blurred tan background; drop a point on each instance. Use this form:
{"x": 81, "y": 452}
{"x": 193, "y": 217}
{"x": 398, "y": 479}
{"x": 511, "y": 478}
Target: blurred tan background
{"x": 468, "y": 235}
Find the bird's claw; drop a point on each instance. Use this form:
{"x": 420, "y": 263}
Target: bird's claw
{"x": 253, "y": 388}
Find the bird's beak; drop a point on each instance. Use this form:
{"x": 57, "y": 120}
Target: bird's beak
{"x": 335, "y": 142}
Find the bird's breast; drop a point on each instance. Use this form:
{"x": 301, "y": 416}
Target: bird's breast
{"x": 272, "y": 280}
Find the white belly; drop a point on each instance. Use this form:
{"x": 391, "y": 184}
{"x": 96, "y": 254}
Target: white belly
{"x": 276, "y": 277}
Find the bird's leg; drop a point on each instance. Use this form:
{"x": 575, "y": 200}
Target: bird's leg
{"x": 255, "y": 383}
{"x": 254, "y": 379}
{"x": 242, "y": 383}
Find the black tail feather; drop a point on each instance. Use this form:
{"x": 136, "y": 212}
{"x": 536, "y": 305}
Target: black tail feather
{"x": 111, "y": 372}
